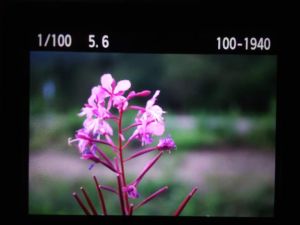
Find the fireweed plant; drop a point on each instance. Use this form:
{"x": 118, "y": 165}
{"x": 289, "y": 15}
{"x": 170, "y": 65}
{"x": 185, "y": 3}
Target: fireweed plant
{"x": 107, "y": 104}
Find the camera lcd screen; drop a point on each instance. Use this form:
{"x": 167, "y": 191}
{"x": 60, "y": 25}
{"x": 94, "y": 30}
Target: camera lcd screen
{"x": 219, "y": 109}
{"x": 107, "y": 123}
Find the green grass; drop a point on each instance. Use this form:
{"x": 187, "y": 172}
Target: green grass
{"x": 194, "y": 139}
{"x": 203, "y": 130}
{"x": 213, "y": 130}
{"x": 227, "y": 199}
{"x": 54, "y": 197}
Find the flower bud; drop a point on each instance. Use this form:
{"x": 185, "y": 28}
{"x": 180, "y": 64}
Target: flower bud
{"x": 166, "y": 144}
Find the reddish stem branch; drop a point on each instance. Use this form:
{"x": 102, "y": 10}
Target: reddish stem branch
{"x": 130, "y": 209}
{"x": 80, "y": 203}
{"x": 136, "y": 107}
{"x": 100, "y": 195}
{"x": 185, "y": 201}
{"x": 113, "y": 117}
{"x": 141, "y": 152}
{"x": 104, "y": 156}
{"x": 128, "y": 141}
{"x": 131, "y": 126}
{"x": 89, "y": 201}
{"x": 107, "y": 165}
{"x": 154, "y": 195}
{"x": 121, "y": 194}
{"x": 97, "y": 141}
{"x": 123, "y": 179}
{"x": 147, "y": 168}
{"x": 107, "y": 188}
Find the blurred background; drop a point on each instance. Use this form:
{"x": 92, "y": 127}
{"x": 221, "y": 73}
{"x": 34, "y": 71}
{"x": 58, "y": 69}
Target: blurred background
{"x": 221, "y": 112}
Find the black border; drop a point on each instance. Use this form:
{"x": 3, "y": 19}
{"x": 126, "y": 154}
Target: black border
{"x": 193, "y": 42}
{"x": 23, "y": 20}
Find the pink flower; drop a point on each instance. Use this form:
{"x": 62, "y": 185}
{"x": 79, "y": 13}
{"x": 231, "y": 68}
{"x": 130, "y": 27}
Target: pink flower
{"x": 166, "y": 144}
{"x": 150, "y": 120}
{"x": 133, "y": 94}
{"x": 95, "y": 104}
{"x": 132, "y": 191}
{"x": 144, "y": 136}
{"x": 88, "y": 149}
{"x": 98, "y": 96}
{"x": 89, "y": 154}
{"x": 96, "y": 114}
{"x": 97, "y": 126}
{"x": 84, "y": 145}
{"x": 109, "y": 84}
{"x": 120, "y": 102}
{"x": 88, "y": 111}
{"x": 154, "y": 111}
{"x": 115, "y": 91}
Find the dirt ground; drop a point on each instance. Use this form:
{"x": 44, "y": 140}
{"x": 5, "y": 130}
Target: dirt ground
{"x": 191, "y": 167}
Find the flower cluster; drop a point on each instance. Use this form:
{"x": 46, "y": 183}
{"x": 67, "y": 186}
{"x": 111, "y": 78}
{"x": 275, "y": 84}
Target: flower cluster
{"x": 106, "y": 105}
{"x": 96, "y": 128}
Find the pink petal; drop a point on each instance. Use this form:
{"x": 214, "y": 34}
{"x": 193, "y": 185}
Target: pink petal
{"x": 143, "y": 93}
{"x": 152, "y": 100}
{"x": 131, "y": 95}
{"x": 156, "y": 112}
{"x": 93, "y": 96}
{"x": 95, "y": 90}
{"x": 102, "y": 94}
{"x": 156, "y": 128}
{"x": 107, "y": 81}
{"x": 105, "y": 128}
{"x": 88, "y": 111}
{"x": 122, "y": 86}
{"x": 120, "y": 102}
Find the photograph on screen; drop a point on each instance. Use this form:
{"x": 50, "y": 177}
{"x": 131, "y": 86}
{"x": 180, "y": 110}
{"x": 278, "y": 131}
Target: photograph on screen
{"x": 156, "y": 134}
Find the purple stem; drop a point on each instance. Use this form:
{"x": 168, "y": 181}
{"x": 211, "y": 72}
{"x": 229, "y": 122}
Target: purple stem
{"x": 185, "y": 201}
{"x": 121, "y": 194}
{"x": 89, "y": 201}
{"x": 141, "y": 152}
{"x": 117, "y": 163}
{"x": 136, "y": 107}
{"x": 80, "y": 203}
{"x": 130, "y": 209}
{"x": 122, "y": 169}
{"x": 147, "y": 168}
{"x": 113, "y": 117}
{"x": 97, "y": 141}
{"x": 107, "y": 188}
{"x": 131, "y": 126}
{"x": 104, "y": 156}
{"x": 100, "y": 195}
{"x": 107, "y": 165}
{"x": 154, "y": 195}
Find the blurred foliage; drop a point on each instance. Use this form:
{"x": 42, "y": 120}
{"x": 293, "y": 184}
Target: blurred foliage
{"x": 233, "y": 199}
{"x": 227, "y": 96}
{"x": 63, "y": 81}
{"x": 190, "y": 132}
